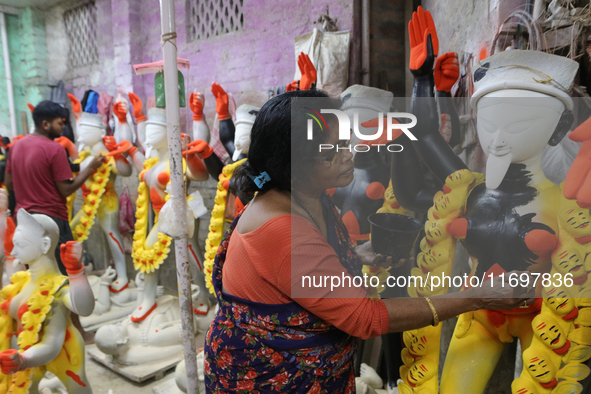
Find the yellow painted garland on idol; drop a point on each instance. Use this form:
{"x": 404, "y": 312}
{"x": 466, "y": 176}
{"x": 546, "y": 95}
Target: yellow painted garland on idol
{"x": 421, "y": 355}
{"x": 216, "y": 224}
{"x": 84, "y": 219}
{"x": 146, "y": 259}
{"x": 553, "y": 363}
{"x": 39, "y": 305}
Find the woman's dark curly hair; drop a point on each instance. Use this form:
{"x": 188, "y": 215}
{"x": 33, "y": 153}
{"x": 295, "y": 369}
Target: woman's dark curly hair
{"x": 279, "y": 143}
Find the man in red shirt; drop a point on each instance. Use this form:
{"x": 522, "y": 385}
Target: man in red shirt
{"x": 38, "y": 171}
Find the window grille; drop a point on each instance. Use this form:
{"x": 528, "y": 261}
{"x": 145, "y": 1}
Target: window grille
{"x": 81, "y": 31}
{"x": 210, "y": 18}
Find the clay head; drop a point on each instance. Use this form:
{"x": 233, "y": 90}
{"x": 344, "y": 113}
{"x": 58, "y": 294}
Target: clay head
{"x": 391, "y": 198}
{"x": 407, "y": 337}
{"x": 245, "y": 116}
{"x": 445, "y": 204}
{"x": 558, "y": 301}
{"x": 514, "y": 126}
{"x": 418, "y": 345}
{"x": 549, "y": 331}
{"x": 568, "y": 260}
{"x": 35, "y": 236}
{"x": 433, "y": 258}
{"x": 539, "y": 365}
{"x": 575, "y": 220}
{"x": 435, "y": 231}
{"x": 524, "y": 385}
{"x": 156, "y": 137}
{"x": 523, "y": 104}
{"x": 111, "y": 339}
{"x": 363, "y": 103}
{"x": 420, "y": 372}
{"x": 91, "y": 129}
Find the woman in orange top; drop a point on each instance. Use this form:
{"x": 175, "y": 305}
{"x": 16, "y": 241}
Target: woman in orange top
{"x": 272, "y": 331}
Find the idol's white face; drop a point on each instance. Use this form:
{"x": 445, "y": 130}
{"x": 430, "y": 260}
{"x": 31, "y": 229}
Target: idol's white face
{"x": 156, "y": 136}
{"x": 242, "y": 138}
{"x": 25, "y": 249}
{"x": 89, "y": 135}
{"x": 518, "y": 123}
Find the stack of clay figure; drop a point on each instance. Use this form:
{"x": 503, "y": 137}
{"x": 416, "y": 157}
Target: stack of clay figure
{"x": 136, "y": 323}
{"x": 510, "y": 218}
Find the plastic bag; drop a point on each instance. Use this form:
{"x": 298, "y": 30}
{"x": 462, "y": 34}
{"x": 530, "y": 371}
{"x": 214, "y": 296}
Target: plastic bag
{"x": 126, "y": 215}
{"x": 168, "y": 219}
{"x": 329, "y": 52}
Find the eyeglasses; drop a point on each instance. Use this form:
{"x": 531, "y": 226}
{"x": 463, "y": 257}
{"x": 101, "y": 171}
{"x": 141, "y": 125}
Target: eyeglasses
{"x": 329, "y": 161}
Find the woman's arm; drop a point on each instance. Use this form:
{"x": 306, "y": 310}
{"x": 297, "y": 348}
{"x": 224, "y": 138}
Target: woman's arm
{"x": 411, "y": 313}
{"x": 321, "y": 285}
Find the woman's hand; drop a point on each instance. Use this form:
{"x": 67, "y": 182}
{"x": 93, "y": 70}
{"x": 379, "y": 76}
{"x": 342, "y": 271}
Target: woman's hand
{"x": 368, "y": 257}
{"x": 498, "y": 293}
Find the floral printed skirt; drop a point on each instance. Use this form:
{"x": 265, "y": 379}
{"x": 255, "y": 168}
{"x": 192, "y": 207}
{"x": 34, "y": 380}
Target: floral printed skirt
{"x": 262, "y": 348}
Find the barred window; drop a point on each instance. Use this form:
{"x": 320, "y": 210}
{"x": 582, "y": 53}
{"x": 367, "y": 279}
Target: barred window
{"x": 210, "y": 18}
{"x": 81, "y": 31}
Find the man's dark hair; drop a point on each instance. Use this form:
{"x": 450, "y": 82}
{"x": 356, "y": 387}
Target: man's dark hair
{"x": 279, "y": 141}
{"x": 47, "y": 110}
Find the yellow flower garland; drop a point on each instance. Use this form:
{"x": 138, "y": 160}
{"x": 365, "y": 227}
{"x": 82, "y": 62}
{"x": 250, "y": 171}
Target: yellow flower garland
{"x": 147, "y": 260}
{"x": 39, "y": 307}
{"x": 216, "y": 224}
{"x": 84, "y": 220}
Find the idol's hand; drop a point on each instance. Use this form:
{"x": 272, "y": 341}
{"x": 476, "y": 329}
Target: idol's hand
{"x": 424, "y": 45}
{"x": 76, "y": 106}
{"x": 196, "y": 102}
{"x": 120, "y": 111}
{"x": 109, "y": 275}
{"x": 221, "y": 101}
{"x": 447, "y": 71}
{"x": 307, "y": 70}
{"x": 199, "y": 147}
{"x": 577, "y": 185}
{"x": 138, "y": 112}
{"x": 293, "y": 85}
{"x": 71, "y": 255}
{"x": 11, "y": 361}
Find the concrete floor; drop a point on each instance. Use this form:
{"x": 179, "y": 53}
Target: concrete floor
{"x": 103, "y": 379}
